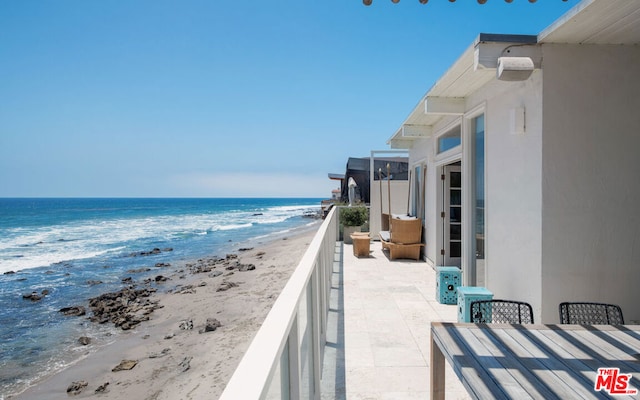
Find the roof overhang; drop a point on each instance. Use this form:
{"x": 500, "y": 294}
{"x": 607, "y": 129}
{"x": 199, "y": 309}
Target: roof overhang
{"x": 474, "y": 69}
{"x": 598, "y": 22}
{"x": 603, "y": 22}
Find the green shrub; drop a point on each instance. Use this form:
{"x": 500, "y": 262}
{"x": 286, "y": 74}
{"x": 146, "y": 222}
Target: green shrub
{"x": 354, "y": 216}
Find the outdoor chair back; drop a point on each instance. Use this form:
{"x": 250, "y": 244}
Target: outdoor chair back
{"x": 406, "y": 230}
{"x": 498, "y": 311}
{"x": 585, "y": 313}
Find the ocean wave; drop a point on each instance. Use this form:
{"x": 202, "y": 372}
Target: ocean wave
{"x": 29, "y": 261}
{"x": 24, "y": 248}
{"x": 231, "y": 227}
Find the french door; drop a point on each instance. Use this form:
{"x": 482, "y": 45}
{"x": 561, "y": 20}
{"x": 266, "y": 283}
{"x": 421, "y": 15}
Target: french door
{"x": 451, "y": 214}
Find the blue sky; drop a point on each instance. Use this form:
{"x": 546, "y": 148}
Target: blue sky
{"x": 220, "y": 98}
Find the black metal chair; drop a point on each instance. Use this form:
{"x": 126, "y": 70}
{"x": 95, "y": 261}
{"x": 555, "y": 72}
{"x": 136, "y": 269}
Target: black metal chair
{"x": 584, "y": 313}
{"x": 501, "y": 312}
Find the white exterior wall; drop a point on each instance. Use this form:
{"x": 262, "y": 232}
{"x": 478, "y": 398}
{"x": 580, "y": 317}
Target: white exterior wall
{"x": 399, "y": 191}
{"x": 422, "y": 152}
{"x": 562, "y": 198}
{"x": 513, "y": 182}
{"x": 591, "y": 185}
{"x": 513, "y": 176}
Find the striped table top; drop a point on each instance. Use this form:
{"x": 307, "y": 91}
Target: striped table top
{"x": 500, "y": 361}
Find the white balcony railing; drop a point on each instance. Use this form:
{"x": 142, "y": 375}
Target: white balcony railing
{"x": 284, "y": 361}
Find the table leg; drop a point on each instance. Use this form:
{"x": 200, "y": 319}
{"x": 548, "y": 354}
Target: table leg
{"x": 437, "y": 372}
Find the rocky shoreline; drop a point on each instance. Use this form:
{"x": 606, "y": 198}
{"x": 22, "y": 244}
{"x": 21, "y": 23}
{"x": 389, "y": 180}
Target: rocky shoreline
{"x": 187, "y": 327}
{"x": 128, "y": 307}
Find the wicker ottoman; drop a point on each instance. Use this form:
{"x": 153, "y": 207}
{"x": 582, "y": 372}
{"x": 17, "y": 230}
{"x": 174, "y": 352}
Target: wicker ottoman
{"x": 361, "y": 244}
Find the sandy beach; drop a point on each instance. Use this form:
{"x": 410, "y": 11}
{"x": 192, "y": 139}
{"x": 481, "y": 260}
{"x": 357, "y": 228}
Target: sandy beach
{"x": 172, "y": 362}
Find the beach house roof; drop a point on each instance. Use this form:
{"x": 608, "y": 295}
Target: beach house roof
{"x": 601, "y": 22}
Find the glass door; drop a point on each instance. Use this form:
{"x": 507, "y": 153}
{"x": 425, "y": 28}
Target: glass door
{"x": 452, "y": 215}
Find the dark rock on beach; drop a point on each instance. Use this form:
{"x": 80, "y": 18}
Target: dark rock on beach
{"x": 9, "y": 273}
{"x": 312, "y": 214}
{"x": 76, "y": 387}
{"x": 226, "y": 285}
{"x": 186, "y": 325}
{"x": 185, "y": 364}
{"x": 102, "y": 388}
{"x": 125, "y": 365}
{"x": 74, "y": 311}
{"x": 138, "y": 270}
{"x": 35, "y": 296}
{"x": 93, "y": 283}
{"x": 125, "y": 308}
{"x": 32, "y": 296}
{"x": 246, "y": 267}
{"x": 150, "y": 253}
{"x": 83, "y": 340}
{"x": 187, "y": 289}
{"x": 236, "y": 265}
{"x": 209, "y": 264}
{"x": 211, "y": 325}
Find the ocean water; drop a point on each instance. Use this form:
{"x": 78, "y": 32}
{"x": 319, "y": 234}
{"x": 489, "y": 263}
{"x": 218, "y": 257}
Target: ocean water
{"x": 60, "y": 245}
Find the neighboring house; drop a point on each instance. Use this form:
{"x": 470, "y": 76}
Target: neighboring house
{"x": 360, "y": 170}
{"x": 532, "y": 178}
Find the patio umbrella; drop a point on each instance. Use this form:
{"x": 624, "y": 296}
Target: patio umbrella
{"x": 352, "y": 190}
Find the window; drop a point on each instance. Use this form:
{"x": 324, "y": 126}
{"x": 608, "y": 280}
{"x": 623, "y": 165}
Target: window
{"x": 477, "y": 127}
{"x": 420, "y": 174}
{"x": 449, "y": 140}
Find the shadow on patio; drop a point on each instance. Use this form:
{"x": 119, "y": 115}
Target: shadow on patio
{"x": 378, "y": 333}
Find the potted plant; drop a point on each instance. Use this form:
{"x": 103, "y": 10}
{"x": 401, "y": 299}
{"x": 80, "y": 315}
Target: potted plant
{"x": 352, "y": 219}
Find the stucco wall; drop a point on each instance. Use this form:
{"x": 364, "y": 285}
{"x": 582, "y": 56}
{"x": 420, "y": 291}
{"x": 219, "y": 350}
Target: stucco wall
{"x": 512, "y": 187}
{"x": 591, "y": 185}
{"x": 419, "y": 153}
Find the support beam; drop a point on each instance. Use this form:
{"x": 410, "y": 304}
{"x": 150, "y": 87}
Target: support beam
{"x": 444, "y": 105}
{"x": 410, "y": 130}
{"x": 400, "y": 143}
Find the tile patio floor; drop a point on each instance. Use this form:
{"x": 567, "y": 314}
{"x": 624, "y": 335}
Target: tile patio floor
{"x": 378, "y": 341}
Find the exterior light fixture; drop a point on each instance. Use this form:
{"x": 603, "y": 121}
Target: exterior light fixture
{"x": 395, "y": 1}
{"x": 514, "y": 68}
{"x": 367, "y": 2}
{"x": 509, "y": 1}
{"x": 482, "y": 1}
{"x": 424, "y": 1}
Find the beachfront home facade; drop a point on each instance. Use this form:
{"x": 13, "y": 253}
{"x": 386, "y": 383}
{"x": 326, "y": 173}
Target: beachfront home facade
{"x": 526, "y": 162}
